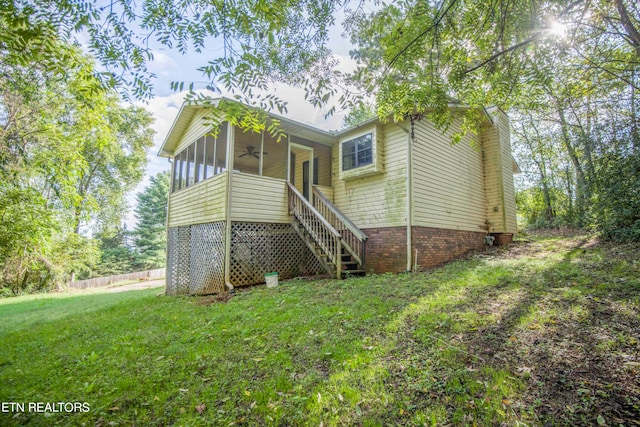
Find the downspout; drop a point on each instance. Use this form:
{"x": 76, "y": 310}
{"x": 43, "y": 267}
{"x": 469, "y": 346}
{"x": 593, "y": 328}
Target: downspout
{"x": 227, "y": 239}
{"x": 409, "y": 133}
{"x": 166, "y": 221}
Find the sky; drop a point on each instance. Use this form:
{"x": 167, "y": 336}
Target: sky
{"x": 170, "y": 65}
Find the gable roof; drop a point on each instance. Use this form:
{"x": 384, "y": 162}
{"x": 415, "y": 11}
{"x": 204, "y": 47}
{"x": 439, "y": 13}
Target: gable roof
{"x": 189, "y": 109}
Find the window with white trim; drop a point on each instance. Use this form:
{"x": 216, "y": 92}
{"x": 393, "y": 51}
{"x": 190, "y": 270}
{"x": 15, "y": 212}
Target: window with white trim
{"x": 357, "y": 152}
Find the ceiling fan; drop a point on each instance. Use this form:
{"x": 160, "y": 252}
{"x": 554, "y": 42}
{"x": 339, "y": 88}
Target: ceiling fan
{"x": 250, "y": 151}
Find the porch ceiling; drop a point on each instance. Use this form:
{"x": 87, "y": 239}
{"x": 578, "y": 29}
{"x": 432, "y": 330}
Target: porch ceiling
{"x": 276, "y": 151}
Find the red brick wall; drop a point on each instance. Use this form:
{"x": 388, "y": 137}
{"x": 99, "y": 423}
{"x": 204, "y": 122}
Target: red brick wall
{"x": 502, "y": 238}
{"x": 386, "y": 249}
{"x": 436, "y": 245}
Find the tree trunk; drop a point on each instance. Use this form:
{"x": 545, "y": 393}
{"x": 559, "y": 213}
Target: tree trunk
{"x": 567, "y": 174}
{"x": 635, "y": 133}
{"x": 633, "y": 34}
{"x": 549, "y": 213}
{"x": 582, "y": 189}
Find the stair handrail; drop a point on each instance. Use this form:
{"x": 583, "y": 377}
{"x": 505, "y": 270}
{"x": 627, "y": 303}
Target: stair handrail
{"x": 343, "y": 218}
{"x": 317, "y": 226}
{"x": 355, "y": 243}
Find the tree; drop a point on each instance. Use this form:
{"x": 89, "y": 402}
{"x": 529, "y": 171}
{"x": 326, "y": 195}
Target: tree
{"x": 580, "y": 125}
{"x": 261, "y": 39}
{"x": 113, "y": 141}
{"x": 425, "y": 55}
{"x": 413, "y": 53}
{"x": 58, "y": 137}
{"x": 116, "y": 255}
{"x": 150, "y": 234}
{"x": 360, "y": 113}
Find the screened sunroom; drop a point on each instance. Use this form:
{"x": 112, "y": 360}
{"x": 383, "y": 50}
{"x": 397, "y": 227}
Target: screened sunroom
{"x": 228, "y": 215}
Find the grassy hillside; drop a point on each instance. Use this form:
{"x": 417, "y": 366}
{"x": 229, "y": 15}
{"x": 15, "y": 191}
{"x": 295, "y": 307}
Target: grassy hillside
{"x": 541, "y": 333}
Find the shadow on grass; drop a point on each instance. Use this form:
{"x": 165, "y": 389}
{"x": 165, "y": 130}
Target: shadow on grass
{"x": 543, "y": 333}
{"x": 543, "y": 341}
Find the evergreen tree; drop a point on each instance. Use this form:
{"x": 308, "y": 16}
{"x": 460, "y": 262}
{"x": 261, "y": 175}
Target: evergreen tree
{"x": 149, "y": 236}
{"x": 117, "y": 257}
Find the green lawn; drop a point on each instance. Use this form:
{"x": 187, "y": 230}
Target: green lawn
{"x": 542, "y": 332}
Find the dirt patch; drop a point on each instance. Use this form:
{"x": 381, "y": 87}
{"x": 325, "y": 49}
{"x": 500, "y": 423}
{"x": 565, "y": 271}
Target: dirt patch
{"x": 215, "y": 299}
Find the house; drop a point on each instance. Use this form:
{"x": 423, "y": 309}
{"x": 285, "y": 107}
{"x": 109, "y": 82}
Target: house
{"x": 381, "y": 197}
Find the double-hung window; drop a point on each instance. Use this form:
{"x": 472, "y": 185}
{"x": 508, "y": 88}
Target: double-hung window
{"x": 357, "y": 152}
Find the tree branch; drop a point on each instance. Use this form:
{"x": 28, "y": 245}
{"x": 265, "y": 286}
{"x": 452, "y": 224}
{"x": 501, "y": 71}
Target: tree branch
{"x": 418, "y": 37}
{"x": 503, "y": 52}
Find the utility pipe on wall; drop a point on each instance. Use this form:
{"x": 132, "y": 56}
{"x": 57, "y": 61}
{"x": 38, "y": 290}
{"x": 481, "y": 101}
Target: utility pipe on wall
{"x": 409, "y": 133}
{"x": 227, "y": 238}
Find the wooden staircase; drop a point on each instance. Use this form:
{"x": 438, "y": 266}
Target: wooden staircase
{"x": 329, "y": 234}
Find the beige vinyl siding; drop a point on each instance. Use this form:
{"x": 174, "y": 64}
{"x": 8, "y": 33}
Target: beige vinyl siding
{"x": 507, "y": 173}
{"x": 200, "y": 203}
{"x": 323, "y": 154}
{"x": 378, "y": 200}
{"x": 327, "y": 191}
{"x": 258, "y": 199}
{"x": 276, "y": 169}
{"x": 500, "y": 192}
{"x": 493, "y": 181}
{"x": 448, "y": 180}
{"x": 195, "y": 130}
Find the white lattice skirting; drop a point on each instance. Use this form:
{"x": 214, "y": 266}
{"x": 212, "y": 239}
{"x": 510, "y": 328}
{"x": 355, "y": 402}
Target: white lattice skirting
{"x": 195, "y": 259}
{"x": 195, "y": 256}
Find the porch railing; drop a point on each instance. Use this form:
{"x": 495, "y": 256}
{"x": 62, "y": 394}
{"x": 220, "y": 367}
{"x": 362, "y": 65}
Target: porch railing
{"x": 352, "y": 237}
{"x": 324, "y": 235}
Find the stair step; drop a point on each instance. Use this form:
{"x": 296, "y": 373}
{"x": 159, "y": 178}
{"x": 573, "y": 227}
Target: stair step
{"x": 353, "y": 273}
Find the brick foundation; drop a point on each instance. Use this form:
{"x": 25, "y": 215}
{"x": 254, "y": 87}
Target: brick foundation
{"x": 437, "y": 245}
{"x": 502, "y": 238}
{"x": 386, "y": 249}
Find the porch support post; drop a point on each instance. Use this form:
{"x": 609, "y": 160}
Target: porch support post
{"x": 261, "y": 153}
{"x": 288, "y": 172}
{"x": 227, "y": 239}
{"x": 339, "y": 259}
{"x": 172, "y": 162}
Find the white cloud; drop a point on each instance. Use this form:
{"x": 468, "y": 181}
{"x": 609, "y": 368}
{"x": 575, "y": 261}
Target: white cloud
{"x": 162, "y": 62}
